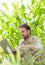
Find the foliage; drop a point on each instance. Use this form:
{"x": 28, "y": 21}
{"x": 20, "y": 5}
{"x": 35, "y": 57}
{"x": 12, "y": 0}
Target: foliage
{"x": 33, "y": 14}
{"x": 10, "y": 59}
{"x": 37, "y": 59}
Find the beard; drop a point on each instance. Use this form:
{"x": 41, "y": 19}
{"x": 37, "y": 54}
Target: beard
{"x": 26, "y": 37}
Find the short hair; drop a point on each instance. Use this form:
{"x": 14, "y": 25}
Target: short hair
{"x": 27, "y": 27}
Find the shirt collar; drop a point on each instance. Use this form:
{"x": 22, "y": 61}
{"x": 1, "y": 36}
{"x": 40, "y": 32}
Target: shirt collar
{"x": 30, "y": 39}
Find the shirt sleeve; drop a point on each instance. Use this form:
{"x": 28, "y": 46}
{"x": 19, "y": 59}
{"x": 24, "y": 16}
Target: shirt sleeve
{"x": 39, "y": 44}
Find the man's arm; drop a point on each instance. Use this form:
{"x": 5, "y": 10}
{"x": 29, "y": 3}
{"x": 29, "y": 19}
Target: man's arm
{"x": 38, "y": 45}
{"x": 31, "y": 47}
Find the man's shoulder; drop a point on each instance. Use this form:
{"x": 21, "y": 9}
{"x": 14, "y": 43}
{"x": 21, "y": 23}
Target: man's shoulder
{"x": 37, "y": 41}
{"x": 35, "y": 38}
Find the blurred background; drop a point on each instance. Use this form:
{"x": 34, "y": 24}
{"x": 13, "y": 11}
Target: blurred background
{"x": 15, "y": 12}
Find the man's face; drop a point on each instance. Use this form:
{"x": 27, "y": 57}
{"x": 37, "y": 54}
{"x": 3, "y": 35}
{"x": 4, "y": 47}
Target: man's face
{"x": 24, "y": 32}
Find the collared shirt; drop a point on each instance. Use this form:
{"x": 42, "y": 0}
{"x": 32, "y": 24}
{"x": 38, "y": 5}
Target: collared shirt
{"x": 33, "y": 40}
{"x": 26, "y": 53}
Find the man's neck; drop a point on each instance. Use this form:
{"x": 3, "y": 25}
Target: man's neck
{"x": 27, "y": 39}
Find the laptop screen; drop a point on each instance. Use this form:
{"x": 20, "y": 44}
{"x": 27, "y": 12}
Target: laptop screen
{"x": 4, "y": 44}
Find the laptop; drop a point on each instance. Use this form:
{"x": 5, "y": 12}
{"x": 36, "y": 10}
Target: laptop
{"x": 4, "y": 44}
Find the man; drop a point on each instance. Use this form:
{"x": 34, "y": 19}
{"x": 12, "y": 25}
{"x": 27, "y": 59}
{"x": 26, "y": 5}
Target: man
{"x": 27, "y": 40}
{"x": 28, "y": 44}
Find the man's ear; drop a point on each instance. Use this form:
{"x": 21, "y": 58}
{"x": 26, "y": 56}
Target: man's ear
{"x": 28, "y": 31}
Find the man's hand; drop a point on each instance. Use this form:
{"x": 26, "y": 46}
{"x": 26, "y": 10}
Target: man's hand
{"x": 32, "y": 48}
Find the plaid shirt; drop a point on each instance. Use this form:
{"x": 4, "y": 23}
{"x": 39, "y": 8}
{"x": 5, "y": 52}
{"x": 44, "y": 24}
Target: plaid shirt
{"x": 32, "y": 41}
{"x": 27, "y": 53}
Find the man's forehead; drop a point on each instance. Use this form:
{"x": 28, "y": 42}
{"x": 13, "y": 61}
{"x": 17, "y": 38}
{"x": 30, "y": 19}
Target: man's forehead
{"x": 22, "y": 28}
